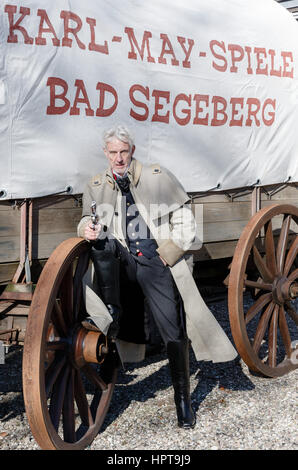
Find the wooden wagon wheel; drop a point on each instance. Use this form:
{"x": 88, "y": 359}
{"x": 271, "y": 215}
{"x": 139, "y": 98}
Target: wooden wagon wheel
{"x": 264, "y": 330}
{"x": 66, "y": 392}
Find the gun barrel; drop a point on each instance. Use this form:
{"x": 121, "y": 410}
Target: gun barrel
{"x": 94, "y": 216}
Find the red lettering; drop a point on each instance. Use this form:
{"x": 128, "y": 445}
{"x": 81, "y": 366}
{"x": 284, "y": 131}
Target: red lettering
{"x": 103, "y": 89}
{"x": 258, "y": 51}
{"x": 167, "y": 42}
{"x": 269, "y": 122}
{"x": 11, "y": 10}
{"x": 39, "y": 40}
{"x": 252, "y": 102}
{"x": 286, "y": 55}
{"x": 133, "y": 42}
{"x": 216, "y": 111}
{"x": 187, "y": 112}
{"x": 52, "y": 83}
{"x": 68, "y": 16}
{"x": 81, "y": 89}
{"x": 237, "y": 55}
{"x": 234, "y": 102}
{"x": 248, "y": 51}
{"x": 181, "y": 40}
{"x": 103, "y": 48}
{"x": 274, "y": 72}
{"x": 145, "y": 91}
{"x": 220, "y": 68}
{"x": 157, "y": 94}
{"x": 203, "y": 120}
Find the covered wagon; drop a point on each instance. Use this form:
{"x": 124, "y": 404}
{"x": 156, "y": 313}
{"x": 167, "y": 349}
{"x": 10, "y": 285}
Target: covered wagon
{"x": 210, "y": 92}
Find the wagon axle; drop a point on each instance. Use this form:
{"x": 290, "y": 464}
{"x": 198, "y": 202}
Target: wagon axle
{"x": 293, "y": 290}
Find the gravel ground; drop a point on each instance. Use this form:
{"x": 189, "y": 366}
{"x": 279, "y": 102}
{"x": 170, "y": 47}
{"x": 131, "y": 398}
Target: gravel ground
{"x": 235, "y": 409}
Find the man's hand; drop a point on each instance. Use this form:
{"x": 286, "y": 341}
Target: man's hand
{"x": 91, "y": 233}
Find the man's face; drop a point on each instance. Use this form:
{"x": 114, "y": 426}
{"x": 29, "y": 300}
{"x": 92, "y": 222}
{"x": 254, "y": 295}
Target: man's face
{"x": 119, "y": 156}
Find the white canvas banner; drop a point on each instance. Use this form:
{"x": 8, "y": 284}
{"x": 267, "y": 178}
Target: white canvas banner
{"x": 209, "y": 90}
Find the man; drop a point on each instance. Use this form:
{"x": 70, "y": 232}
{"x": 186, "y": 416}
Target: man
{"x": 145, "y": 228}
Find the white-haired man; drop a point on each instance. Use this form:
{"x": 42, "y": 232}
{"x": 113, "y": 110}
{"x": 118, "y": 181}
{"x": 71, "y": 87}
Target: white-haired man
{"x": 145, "y": 228}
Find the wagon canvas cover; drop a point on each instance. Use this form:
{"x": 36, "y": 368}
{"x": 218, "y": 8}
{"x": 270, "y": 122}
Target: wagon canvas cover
{"x": 209, "y": 90}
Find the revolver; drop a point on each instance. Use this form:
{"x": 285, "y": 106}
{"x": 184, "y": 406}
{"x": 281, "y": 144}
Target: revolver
{"x": 94, "y": 216}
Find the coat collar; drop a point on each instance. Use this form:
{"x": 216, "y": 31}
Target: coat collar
{"x": 134, "y": 171}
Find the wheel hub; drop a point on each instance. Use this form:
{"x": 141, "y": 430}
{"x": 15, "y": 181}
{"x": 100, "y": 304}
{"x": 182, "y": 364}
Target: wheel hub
{"x": 284, "y": 290}
{"x": 87, "y": 346}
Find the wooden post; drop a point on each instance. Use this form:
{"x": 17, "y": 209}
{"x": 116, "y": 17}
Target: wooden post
{"x": 255, "y": 200}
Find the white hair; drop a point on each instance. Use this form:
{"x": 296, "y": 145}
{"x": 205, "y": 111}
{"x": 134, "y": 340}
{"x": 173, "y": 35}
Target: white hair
{"x": 119, "y": 132}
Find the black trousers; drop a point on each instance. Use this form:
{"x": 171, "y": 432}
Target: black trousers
{"x": 149, "y": 280}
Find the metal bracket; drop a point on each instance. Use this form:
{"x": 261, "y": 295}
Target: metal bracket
{"x": 204, "y": 193}
{"x": 241, "y": 192}
{"x": 269, "y": 194}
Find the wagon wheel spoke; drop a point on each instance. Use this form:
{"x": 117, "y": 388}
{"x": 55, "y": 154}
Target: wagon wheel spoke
{"x": 257, "y": 306}
{"x": 293, "y": 275}
{"x": 58, "y": 395}
{"x": 261, "y": 266}
{"x": 270, "y": 249}
{"x": 56, "y": 345}
{"x": 292, "y": 312}
{"x": 68, "y": 411}
{"x": 66, "y": 294}
{"x": 258, "y": 285}
{"x": 282, "y": 243}
{"x": 53, "y": 372}
{"x": 58, "y": 318}
{"x": 94, "y": 377}
{"x": 284, "y": 330}
{"x": 262, "y": 326}
{"x": 291, "y": 257}
{"x": 272, "y": 343}
{"x": 81, "y": 268}
{"x": 82, "y": 402}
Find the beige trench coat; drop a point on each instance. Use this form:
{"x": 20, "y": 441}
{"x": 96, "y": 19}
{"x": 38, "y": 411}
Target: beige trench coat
{"x": 162, "y": 202}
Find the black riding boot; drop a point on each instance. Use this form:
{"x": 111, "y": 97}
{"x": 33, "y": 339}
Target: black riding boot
{"x": 178, "y": 355}
{"x": 107, "y": 268}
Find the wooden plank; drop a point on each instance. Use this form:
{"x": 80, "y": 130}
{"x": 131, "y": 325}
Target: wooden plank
{"x": 9, "y": 249}
{"x": 61, "y": 202}
{"x": 56, "y": 220}
{"x": 5, "y": 206}
{"x": 7, "y": 271}
{"x": 230, "y": 211}
{"x": 44, "y": 244}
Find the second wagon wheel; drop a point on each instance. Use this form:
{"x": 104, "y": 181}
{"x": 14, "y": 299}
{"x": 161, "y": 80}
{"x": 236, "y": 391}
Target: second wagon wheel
{"x": 66, "y": 392}
{"x": 264, "y": 326}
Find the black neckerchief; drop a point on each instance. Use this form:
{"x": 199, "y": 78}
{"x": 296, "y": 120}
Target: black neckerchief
{"x": 123, "y": 183}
